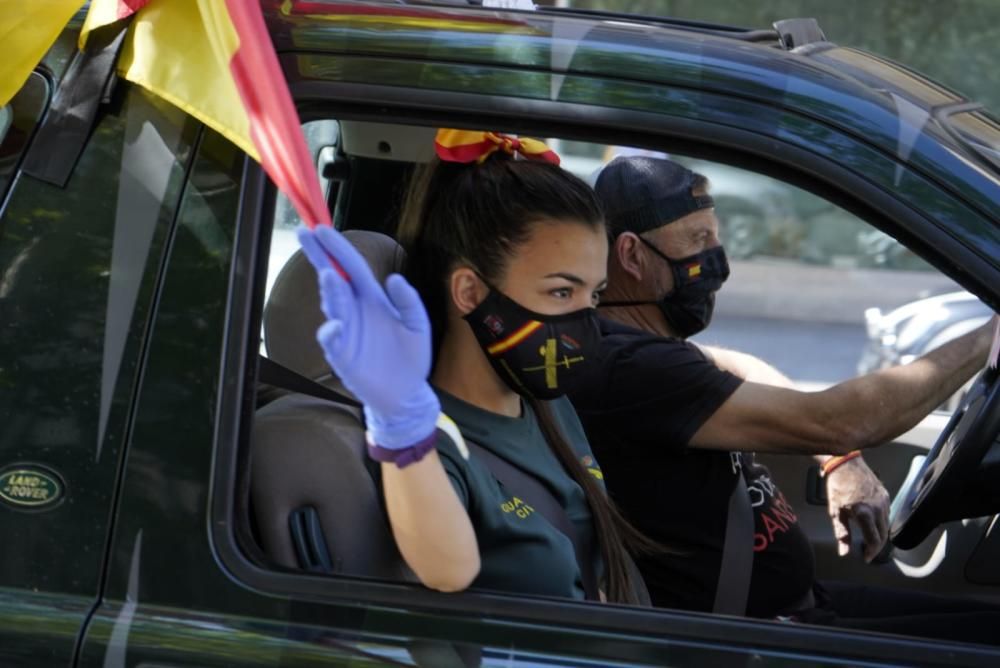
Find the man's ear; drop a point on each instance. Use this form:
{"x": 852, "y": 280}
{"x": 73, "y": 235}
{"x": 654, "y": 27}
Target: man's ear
{"x": 628, "y": 255}
{"x": 467, "y": 290}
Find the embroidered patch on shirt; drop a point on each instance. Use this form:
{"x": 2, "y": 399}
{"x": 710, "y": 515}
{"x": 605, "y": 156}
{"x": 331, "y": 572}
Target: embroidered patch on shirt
{"x": 518, "y": 507}
{"x": 591, "y": 465}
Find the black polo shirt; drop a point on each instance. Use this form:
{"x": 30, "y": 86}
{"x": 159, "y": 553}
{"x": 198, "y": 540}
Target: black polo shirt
{"x": 646, "y": 398}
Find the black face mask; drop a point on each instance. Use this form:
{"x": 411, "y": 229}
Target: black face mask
{"x": 688, "y": 307}
{"x": 539, "y": 356}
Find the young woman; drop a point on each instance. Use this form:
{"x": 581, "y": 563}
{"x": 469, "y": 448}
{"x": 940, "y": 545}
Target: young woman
{"x": 508, "y": 253}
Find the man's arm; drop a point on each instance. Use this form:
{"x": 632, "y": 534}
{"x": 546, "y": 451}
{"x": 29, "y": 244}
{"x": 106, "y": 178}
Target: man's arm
{"x": 853, "y": 490}
{"x": 755, "y": 370}
{"x": 858, "y": 413}
{"x": 746, "y": 366}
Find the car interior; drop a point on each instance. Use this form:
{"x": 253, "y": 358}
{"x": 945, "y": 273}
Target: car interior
{"x": 307, "y": 487}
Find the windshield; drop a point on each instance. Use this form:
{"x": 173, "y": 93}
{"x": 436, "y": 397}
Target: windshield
{"x": 980, "y": 133}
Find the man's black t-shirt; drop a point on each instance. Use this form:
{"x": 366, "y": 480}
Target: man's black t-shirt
{"x": 647, "y": 397}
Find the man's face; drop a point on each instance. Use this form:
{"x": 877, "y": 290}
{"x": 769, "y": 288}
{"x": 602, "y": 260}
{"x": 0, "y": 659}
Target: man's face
{"x": 687, "y": 236}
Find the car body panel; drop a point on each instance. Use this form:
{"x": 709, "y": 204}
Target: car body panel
{"x": 79, "y": 335}
{"x": 159, "y": 575}
{"x": 165, "y": 570}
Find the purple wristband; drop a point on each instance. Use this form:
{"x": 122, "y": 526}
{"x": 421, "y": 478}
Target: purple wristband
{"x": 403, "y": 457}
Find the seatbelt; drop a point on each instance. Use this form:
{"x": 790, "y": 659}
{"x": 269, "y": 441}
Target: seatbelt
{"x": 733, "y": 587}
{"x": 541, "y": 499}
{"x": 272, "y": 373}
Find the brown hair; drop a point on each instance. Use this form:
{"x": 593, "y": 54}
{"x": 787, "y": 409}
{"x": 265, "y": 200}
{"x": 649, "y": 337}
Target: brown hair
{"x": 479, "y": 214}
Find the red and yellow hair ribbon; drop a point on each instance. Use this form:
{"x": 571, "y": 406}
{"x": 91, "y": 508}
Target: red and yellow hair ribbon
{"x": 476, "y": 146}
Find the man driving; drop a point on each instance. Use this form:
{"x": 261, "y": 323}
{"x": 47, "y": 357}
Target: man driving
{"x": 674, "y": 423}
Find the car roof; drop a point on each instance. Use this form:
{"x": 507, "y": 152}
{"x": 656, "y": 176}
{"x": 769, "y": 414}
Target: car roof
{"x": 842, "y": 87}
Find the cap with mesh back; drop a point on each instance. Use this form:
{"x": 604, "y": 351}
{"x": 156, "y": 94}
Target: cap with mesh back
{"x": 640, "y": 193}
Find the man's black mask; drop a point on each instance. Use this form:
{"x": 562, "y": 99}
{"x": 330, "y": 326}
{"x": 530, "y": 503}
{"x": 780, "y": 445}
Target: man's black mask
{"x": 688, "y": 307}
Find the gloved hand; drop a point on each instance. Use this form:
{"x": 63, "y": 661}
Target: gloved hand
{"x": 854, "y": 492}
{"x": 377, "y": 341}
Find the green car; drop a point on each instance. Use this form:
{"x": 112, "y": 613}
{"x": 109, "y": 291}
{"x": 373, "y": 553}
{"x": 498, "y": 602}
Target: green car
{"x": 149, "y": 519}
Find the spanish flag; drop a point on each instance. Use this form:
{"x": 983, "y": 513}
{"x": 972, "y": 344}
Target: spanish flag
{"x": 211, "y": 58}
{"x": 27, "y": 30}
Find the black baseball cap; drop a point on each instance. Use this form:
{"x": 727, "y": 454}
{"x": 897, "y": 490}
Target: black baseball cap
{"x": 640, "y": 193}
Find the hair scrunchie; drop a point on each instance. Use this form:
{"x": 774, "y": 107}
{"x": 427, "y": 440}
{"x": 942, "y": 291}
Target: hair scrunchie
{"x": 475, "y": 146}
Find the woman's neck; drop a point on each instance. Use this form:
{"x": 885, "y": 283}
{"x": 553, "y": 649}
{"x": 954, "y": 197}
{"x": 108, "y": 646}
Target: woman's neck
{"x": 463, "y": 371}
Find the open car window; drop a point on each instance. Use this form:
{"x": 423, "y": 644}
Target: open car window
{"x": 805, "y": 273}
{"x": 322, "y": 138}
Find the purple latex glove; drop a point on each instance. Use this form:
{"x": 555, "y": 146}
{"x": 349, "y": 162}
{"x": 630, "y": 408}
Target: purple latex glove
{"x": 377, "y": 341}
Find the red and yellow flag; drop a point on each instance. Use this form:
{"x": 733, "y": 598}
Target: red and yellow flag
{"x": 214, "y": 59}
{"x": 106, "y": 12}
{"x": 211, "y": 58}
{"x": 27, "y": 30}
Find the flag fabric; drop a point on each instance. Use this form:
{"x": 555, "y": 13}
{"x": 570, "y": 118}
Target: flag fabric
{"x": 214, "y": 59}
{"x": 211, "y": 58}
{"x": 180, "y": 51}
{"x": 27, "y": 30}
{"x": 274, "y": 124}
{"x": 106, "y": 12}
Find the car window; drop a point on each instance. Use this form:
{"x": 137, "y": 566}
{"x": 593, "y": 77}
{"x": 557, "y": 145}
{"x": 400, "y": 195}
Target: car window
{"x": 806, "y": 272}
{"x": 322, "y": 137}
{"x": 18, "y": 121}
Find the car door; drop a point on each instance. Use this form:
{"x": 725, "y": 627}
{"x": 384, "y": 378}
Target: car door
{"x": 181, "y": 586}
{"x": 78, "y": 267}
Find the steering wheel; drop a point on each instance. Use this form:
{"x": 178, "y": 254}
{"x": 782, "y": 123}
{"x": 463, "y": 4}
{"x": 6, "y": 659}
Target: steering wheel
{"x": 952, "y": 461}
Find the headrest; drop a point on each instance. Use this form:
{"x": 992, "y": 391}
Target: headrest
{"x": 292, "y": 314}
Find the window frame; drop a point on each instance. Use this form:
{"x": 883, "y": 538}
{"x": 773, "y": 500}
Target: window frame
{"x": 703, "y": 139}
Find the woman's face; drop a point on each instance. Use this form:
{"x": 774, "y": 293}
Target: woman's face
{"x": 560, "y": 268}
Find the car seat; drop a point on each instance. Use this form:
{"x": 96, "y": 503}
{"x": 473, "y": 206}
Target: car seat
{"x": 312, "y": 489}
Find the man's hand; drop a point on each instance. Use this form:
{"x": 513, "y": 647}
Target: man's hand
{"x": 854, "y": 492}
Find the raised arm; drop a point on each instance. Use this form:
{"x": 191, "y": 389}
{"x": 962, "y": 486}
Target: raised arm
{"x": 378, "y": 342}
{"x": 856, "y": 414}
